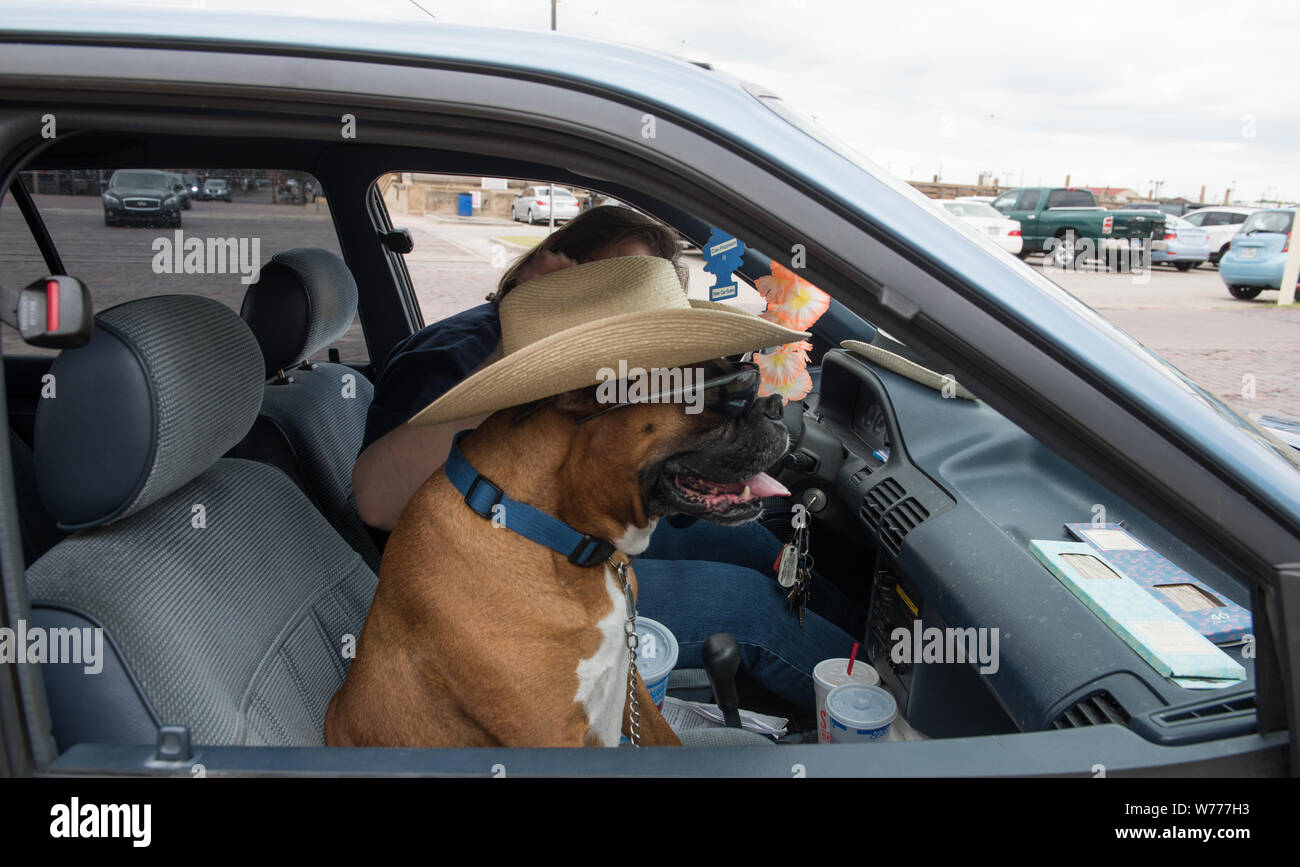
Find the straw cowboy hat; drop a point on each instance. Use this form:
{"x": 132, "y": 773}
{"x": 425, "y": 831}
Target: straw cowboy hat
{"x": 560, "y": 329}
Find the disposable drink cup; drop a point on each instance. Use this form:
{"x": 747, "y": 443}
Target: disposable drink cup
{"x": 656, "y": 654}
{"x": 830, "y": 673}
{"x": 860, "y": 714}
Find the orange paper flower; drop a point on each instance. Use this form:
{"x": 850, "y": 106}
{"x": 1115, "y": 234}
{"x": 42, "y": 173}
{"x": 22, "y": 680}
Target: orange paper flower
{"x": 796, "y": 388}
{"x": 777, "y": 288}
{"x": 795, "y": 303}
{"x": 782, "y": 365}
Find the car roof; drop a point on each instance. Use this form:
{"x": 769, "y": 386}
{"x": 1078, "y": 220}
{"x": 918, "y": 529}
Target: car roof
{"x": 1230, "y": 209}
{"x": 650, "y": 75}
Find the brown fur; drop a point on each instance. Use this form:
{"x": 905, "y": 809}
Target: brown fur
{"x": 475, "y": 632}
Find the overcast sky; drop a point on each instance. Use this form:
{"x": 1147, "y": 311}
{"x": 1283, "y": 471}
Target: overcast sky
{"x": 1122, "y": 94}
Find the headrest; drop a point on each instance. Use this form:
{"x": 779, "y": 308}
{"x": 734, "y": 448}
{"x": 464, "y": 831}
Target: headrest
{"x": 165, "y": 386}
{"x": 304, "y": 300}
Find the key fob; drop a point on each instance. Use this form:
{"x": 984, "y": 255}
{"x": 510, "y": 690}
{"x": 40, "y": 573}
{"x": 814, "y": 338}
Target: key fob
{"x": 788, "y": 566}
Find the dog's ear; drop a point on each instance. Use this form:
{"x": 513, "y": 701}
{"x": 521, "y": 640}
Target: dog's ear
{"x": 580, "y": 401}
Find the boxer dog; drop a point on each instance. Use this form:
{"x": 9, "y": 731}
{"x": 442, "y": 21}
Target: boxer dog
{"x": 479, "y": 636}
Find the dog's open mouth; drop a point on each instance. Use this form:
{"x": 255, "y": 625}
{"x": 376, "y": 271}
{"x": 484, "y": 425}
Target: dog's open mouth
{"x": 724, "y": 502}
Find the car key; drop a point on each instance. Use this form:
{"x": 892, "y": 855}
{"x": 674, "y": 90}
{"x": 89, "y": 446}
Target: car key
{"x": 803, "y": 586}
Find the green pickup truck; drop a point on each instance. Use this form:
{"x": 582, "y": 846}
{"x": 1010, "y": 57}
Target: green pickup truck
{"x": 1067, "y": 224}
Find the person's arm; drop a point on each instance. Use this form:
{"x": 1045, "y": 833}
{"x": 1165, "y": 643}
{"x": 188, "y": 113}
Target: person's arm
{"x": 393, "y": 467}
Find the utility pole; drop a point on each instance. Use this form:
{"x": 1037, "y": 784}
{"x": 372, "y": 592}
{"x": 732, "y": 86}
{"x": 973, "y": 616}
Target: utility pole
{"x": 550, "y": 222}
{"x": 1291, "y": 271}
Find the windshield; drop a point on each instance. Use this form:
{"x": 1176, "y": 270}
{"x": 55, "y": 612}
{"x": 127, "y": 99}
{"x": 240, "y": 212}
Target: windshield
{"x": 1269, "y": 221}
{"x": 973, "y": 209}
{"x": 139, "y": 179}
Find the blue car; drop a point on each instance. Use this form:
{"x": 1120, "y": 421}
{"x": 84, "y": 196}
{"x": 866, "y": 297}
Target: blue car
{"x": 1258, "y": 254}
{"x": 1186, "y": 245}
{"x": 222, "y": 645}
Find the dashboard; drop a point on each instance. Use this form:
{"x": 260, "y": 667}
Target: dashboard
{"x": 943, "y": 495}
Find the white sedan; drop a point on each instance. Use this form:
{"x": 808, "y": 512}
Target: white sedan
{"x": 984, "y": 218}
{"x": 534, "y": 204}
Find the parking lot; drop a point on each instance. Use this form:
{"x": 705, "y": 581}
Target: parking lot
{"x": 1241, "y": 351}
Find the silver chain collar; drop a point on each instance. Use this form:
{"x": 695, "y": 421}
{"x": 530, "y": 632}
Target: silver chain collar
{"x": 629, "y": 629}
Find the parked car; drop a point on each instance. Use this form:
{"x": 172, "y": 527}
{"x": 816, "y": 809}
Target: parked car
{"x": 1065, "y": 221}
{"x": 1186, "y": 245}
{"x": 1221, "y": 223}
{"x": 192, "y": 185}
{"x": 216, "y": 188}
{"x": 1177, "y": 209}
{"x": 182, "y": 189}
{"x": 534, "y": 205}
{"x": 1257, "y": 257}
{"x": 982, "y": 216}
{"x": 928, "y": 500}
{"x": 145, "y": 196}
{"x": 596, "y": 200}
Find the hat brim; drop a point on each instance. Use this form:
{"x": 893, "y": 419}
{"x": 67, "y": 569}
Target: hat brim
{"x": 572, "y": 358}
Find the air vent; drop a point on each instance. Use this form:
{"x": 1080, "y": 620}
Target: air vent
{"x": 1209, "y": 710}
{"x": 879, "y": 499}
{"x": 1098, "y": 709}
{"x": 899, "y": 521}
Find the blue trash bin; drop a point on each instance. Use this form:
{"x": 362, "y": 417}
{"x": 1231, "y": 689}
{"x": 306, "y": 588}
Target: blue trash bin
{"x": 465, "y": 205}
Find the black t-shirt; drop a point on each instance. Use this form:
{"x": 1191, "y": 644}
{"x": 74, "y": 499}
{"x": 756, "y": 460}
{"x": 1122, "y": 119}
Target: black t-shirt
{"x": 428, "y": 363}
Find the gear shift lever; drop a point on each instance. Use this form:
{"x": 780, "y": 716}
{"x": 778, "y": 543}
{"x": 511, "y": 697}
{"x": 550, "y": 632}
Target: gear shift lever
{"x": 721, "y": 662}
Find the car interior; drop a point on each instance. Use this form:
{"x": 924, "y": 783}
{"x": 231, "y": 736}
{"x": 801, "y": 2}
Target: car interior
{"x": 925, "y": 502}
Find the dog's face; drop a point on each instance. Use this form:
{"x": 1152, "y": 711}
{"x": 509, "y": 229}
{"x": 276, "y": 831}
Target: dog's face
{"x": 704, "y": 464}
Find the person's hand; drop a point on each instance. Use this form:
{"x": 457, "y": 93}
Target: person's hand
{"x": 543, "y": 263}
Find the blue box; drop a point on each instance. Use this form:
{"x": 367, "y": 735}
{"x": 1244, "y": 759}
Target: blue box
{"x": 1207, "y": 611}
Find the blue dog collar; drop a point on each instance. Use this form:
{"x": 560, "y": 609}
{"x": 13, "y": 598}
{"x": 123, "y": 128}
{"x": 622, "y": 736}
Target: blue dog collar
{"x": 483, "y": 497}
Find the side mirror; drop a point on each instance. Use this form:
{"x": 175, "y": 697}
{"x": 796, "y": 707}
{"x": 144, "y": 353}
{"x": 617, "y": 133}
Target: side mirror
{"x": 398, "y": 240}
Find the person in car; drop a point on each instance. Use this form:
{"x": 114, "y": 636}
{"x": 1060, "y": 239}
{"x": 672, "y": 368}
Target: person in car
{"x": 696, "y": 579}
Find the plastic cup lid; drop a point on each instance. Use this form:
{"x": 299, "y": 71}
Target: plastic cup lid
{"x": 857, "y": 706}
{"x": 656, "y": 651}
{"x": 833, "y": 672}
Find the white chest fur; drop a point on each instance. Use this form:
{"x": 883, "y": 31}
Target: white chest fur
{"x": 602, "y": 677}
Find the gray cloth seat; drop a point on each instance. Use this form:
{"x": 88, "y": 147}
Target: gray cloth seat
{"x": 313, "y": 414}
{"x": 224, "y": 596}
{"x": 39, "y": 531}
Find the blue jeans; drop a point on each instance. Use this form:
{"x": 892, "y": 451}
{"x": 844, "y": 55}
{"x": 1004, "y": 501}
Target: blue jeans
{"x": 685, "y": 587}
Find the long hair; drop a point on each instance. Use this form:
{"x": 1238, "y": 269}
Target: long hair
{"x": 594, "y": 230}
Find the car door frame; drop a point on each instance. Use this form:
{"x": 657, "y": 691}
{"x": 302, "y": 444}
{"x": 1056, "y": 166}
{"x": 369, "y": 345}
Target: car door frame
{"x": 881, "y": 273}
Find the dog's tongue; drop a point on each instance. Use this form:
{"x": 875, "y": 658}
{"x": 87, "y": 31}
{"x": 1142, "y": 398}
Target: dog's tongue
{"x": 763, "y": 485}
